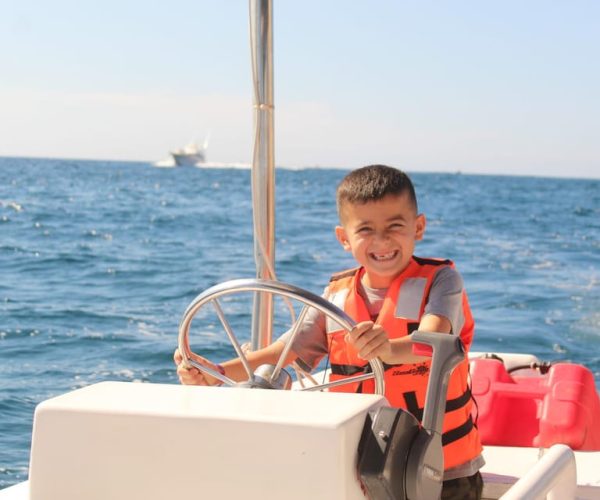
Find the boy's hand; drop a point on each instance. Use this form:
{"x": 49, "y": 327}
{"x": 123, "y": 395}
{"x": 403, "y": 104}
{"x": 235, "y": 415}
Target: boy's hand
{"x": 191, "y": 375}
{"x": 370, "y": 340}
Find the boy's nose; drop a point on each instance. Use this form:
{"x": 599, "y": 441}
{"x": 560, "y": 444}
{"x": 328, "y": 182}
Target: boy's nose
{"x": 382, "y": 236}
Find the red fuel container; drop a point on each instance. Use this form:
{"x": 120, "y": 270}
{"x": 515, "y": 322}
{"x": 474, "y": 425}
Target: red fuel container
{"x": 561, "y": 406}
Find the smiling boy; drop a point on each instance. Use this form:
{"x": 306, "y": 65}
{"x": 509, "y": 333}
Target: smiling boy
{"x": 390, "y": 294}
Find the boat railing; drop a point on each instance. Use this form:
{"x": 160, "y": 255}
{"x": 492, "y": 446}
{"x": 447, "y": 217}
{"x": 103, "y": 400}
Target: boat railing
{"x": 554, "y": 477}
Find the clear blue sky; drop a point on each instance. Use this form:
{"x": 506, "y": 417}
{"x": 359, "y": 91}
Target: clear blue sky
{"x": 494, "y": 87}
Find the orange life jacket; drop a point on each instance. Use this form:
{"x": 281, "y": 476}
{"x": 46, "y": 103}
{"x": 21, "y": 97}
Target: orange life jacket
{"x": 406, "y": 384}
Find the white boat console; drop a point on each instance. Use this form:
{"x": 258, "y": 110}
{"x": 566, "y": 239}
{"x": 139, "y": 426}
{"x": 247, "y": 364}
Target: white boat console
{"x": 122, "y": 441}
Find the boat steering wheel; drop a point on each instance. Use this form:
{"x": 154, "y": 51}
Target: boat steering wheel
{"x": 269, "y": 376}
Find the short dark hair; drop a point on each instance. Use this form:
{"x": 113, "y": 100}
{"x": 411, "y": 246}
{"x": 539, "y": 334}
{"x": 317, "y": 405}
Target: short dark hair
{"x": 372, "y": 183}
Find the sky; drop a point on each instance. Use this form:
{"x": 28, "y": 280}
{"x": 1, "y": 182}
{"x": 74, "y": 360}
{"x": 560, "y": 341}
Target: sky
{"x": 505, "y": 87}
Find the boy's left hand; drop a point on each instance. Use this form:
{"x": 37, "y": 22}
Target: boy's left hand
{"x": 370, "y": 340}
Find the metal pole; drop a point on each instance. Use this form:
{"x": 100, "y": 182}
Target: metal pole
{"x": 263, "y": 166}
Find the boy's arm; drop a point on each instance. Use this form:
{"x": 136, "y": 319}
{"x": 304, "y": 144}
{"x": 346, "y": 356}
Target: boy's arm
{"x": 435, "y": 323}
{"x": 234, "y": 369}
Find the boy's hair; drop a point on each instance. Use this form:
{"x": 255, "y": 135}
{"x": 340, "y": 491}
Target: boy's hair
{"x": 373, "y": 183}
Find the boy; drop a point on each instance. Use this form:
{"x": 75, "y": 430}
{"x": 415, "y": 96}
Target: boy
{"x": 391, "y": 294}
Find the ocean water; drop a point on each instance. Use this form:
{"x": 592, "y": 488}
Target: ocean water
{"x": 98, "y": 261}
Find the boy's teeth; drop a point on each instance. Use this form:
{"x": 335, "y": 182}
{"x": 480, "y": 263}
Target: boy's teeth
{"x": 384, "y": 256}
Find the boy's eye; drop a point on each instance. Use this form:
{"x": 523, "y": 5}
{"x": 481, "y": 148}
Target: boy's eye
{"x": 396, "y": 225}
{"x": 363, "y": 230}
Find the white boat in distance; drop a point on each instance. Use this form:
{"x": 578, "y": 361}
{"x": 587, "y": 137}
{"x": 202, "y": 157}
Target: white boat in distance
{"x": 190, "y": 155}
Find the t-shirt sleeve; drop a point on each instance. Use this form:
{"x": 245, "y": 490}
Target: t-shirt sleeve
{"x": 310, "y": 343}
{"x": 445, "y": 298}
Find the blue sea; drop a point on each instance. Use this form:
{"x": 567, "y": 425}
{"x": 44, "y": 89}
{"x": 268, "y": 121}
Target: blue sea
{"x": 98, "y": 261}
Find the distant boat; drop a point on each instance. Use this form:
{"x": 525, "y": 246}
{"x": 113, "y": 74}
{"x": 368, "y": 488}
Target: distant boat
{"x": 189, "y": 156}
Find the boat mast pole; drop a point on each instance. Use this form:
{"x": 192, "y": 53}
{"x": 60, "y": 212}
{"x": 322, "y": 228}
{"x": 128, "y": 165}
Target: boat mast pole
{"x": 263, "y": 166}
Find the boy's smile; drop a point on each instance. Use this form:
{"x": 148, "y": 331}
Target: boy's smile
{"x": 381, "y": 236}
{"x": 384, "y": 257}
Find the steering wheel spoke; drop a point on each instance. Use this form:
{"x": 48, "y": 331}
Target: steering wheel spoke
{"x": 209, "y": 371}
{"x": 232, "y": 338}
{"x": 288, "y": 345}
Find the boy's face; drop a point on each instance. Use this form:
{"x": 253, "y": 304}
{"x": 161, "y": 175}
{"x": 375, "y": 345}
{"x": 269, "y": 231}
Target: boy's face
{"x": 381, "y": 236}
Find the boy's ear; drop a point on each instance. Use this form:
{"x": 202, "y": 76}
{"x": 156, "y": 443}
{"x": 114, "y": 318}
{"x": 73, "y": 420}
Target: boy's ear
{"x": 342, "y": 237}
{"x": 421, "y": 222}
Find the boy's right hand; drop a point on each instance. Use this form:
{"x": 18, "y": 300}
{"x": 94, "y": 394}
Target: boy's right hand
{"x": 370, "y": 340}
{"x": 191, "y": 375}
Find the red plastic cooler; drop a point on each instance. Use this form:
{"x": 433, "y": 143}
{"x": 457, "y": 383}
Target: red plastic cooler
{"x": 561, "y": 406}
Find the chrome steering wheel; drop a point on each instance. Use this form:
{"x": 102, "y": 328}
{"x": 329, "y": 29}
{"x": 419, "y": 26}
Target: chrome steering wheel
{"x": 270, "y": 377}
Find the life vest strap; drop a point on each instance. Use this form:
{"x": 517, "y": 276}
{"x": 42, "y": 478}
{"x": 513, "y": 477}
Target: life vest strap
{"x": 452, "y": 435}
{"x": 458, "y": 432}
{"x": 348, "y": 370}
{"x": 410, "y": 398}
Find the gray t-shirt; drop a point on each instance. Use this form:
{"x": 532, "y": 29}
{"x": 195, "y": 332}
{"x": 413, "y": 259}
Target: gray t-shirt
{"x": 445, "y": 299}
